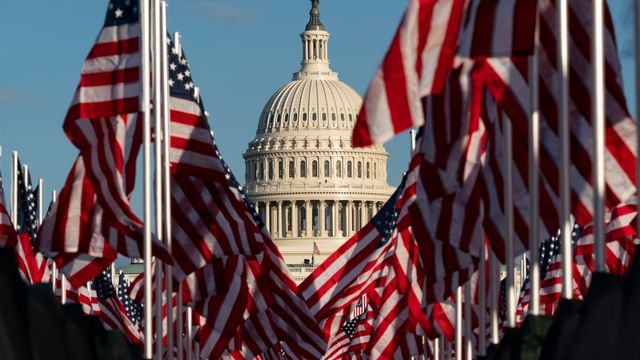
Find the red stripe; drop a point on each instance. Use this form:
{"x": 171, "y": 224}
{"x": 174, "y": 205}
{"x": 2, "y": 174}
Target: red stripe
{"x": 395, "y": 83}
{"x": 120, "y": 47}
{"x": 116, "y": 76}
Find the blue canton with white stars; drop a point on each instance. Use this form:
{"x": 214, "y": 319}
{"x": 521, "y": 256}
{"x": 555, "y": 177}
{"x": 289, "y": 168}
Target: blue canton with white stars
{"x": 385, "y": 219}
{"x": 103, "y": 286}
{"x": 27, "y": 206}
{"x": 121, "y": 12}
{"x": 549, "y": 249}
{"x": 133, "y": 308}
{"x": 180, "y": 81}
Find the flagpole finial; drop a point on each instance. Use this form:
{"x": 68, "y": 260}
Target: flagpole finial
{"x": 314, "y": 20}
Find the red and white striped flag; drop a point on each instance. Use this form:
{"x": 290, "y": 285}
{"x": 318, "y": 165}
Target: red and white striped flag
{"x": 421, "y": 56}
{"x": 416, "y": 64}
{"x": 100, "y": 120}
{"x": 93, "y": 216}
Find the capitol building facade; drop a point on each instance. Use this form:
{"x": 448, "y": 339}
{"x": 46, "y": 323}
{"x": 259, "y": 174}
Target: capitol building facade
{"x": 302, "y": 174}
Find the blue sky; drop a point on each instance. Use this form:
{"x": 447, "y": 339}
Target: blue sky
{"x": 240, "y": 52}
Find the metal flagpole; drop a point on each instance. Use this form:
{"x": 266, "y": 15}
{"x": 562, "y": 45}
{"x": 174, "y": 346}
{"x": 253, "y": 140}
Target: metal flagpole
{"x": 597, "y": 106}
{"x": 436, "y": 347}
{"x": 458, "y": 338}
{"x": 448, "y": 350}
{"x": 508, "y": 226}
{"x": 54, "y": 271}
{"x": 534, "y": 161}
{"x": 443, "y": 348}
{"x": 40, "y": 191}
{"x": 166, "y": 181}
{"x": 146, "y": 134}
{"x": 467, "y": 322}
{"x": 482, "y": 302}
{"x": 157, "y": 106}
{"x": 412, "y": 135}
{"x": 189, "y": 332}
{"x": 494, "y": 281}
{"x": 636, "y": 8}
{"x": 563, "y": 116}
{"x": 14, "y": 188}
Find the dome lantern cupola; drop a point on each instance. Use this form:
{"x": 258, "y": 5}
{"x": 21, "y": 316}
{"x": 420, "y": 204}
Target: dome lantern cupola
{"x": 315, "y": 51}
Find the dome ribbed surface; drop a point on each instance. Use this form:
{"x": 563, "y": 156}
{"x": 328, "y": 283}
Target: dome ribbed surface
{"x": 311, "y": 103}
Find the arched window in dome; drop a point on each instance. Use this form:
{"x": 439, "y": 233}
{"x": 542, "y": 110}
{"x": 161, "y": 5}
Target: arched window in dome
{"x": 314, "y": 168}
{"x": 304, "y": 117}
{"x": 286, "y": 118}
{"x": 270, "y": 169}
{"x": 280, "y": 169}
{"x": 324, "y": 116}
{"x": 342, "y": 117}
{"x": 349, "y": 169}
{"x": 295, "y": 117}
{"x": 359, "y": 169}
{"x": 368, "y": 170}
{"x": 303, "y": 168}
{"x": 327, "y": 166}
{"x": 292, "y": 169}
{"x": 314, "y": 117}
{"x": 279, "y": 119}
{"x": 339, "y": 168}
{"x": 350, "y": 118}
{"x": 261, "y": 172}
{"x": 333, "y": 116}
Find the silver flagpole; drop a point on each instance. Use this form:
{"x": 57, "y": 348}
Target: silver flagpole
{"x": 458, "y": 338}
{"x": 166, "y": 181}
{"x": 436, "y": 348}
{"x": 54, "y": 271}
{"x": 597, "y": 106}
{"x": 442, "y": 345}
{"x": 14, "y": 188}
{"x": 565, "y": 156}
{"x": 448, "y": 350}
{"x": 40, "y": 192}
{"x": 467, "y": 322}
{"x": 144, "y": 75}
{"x": 189, "y": 332}
{"x": 494, "y": 289}
{"x": 412, "y": 136}
{"x": 534, "y": 160}
{"x": 157, "y": 117}
{"x": 508, "y": 226}
{"x": 482, "y": 302}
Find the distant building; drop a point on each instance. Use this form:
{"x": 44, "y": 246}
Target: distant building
{"x": 302, "y": 173}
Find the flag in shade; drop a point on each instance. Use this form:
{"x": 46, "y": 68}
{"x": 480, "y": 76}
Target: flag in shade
{"x": 316, "y": 250}
{"x": 32, "y": 265}
{"x": 112, "y": 311}
{"x": 84, "y": 295}
{"x": 92, "y": 220}
{"x": 8, "y": 236}
{"x": 133, "y": 308}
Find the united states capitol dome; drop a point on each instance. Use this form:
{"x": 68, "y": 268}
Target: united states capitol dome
{"x": 312, "y": 188}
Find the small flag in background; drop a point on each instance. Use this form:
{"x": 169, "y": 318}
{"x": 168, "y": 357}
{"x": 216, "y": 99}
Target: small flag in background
{"x": 112, "y": 311}
{"x": 316, "y": 250}
{"x": 133, "y": 308}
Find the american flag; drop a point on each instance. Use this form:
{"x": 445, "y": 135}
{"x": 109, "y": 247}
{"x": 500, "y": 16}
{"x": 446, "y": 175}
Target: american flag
{"x": 209, "y": 220}
{"x": 8, "y": 236}
{"x": 102, "y": 121}
{"x": 27, "y": 205}
{"x": 112, "y": 312}
{"x": 84, "y": 295}
{"x": 92, "y": 220}
{"x": 417, "y": 63}
{"x": 422, "y": 52}
{"x": 550, "y": 275}
{"x": 133, "y": 308}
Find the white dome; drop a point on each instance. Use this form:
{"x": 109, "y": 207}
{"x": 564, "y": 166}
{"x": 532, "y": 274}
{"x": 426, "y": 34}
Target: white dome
{"x": 314, "y": 102}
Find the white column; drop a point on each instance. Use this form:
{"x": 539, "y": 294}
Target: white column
{"x": 349, "y": 218}
{"x": 294, "y": 219}
{"x": 321, "y": 217}
{"x": 362, "y": 215}
{"x": 309, "y": 218}
{"x": 280, "y": 220}
{"x": 334, "y": 219}
{"x": 267, "y": 216}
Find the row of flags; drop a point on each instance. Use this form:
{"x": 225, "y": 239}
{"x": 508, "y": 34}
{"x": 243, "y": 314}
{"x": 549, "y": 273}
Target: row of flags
{"x": 458, "y": 70}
